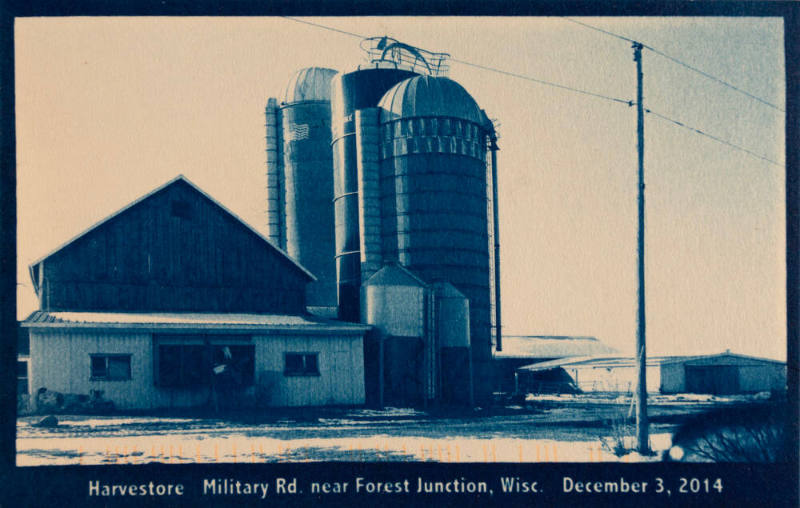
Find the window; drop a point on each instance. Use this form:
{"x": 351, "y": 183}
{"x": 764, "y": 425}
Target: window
{"x": 110, "y": 367}
{"x": 300, "y": 364}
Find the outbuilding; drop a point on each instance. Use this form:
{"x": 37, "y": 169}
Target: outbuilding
{"x": 720, "y": 374}
{"x": 521, "y": 350}
{"x": 175, "y": 301}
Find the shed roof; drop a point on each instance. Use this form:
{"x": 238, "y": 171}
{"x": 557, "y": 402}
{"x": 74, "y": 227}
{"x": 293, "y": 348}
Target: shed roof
{"x": 174, "y": 181}
{"x": 611, "y": 361}
{"x": 188, "y": 321}
{"x": 551, "y": 346}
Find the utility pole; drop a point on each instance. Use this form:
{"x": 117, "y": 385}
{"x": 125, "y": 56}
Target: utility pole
{"x": 642, "y": 434}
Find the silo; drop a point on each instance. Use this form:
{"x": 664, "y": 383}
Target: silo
{"x": 350, "y": 92}
{"x": 433, "y": 192}
{"x": 304, "y": 117}
{"x": 452, "y": 339}
{"x": 398, "y": 304}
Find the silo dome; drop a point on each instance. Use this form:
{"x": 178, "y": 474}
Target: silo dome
{"x": 309, "y": 84}
{"x": 429, "y": 96}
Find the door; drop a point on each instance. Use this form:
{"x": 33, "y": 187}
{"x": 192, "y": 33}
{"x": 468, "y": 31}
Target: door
{"x": 712, "y": 379}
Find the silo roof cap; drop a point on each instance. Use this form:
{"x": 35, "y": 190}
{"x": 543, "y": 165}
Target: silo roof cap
{"x": 446, "y": 290}
{"x": 309, "y": 84}
{"x": 429, "y": 96}
{"x": 393, "y": 274}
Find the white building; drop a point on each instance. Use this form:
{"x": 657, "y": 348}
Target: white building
{"x": 721, "y": 374}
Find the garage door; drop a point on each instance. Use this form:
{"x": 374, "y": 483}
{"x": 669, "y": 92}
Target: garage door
{"x": 713, "y": 379}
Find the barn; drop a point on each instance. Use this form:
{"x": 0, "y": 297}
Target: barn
{"x": 174, "y": 301}
{"x": 720, "y": 374}
{"x": 521, "y": 350}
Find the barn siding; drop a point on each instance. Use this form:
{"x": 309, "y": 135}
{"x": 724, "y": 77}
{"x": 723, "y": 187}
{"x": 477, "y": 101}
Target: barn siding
{"x": 673, "y": 379}
{"x": 764, "y": 377}
{"x": 60, "y": 362}
{"x": 754, "y": 375}
{"x": 208, "y": 262}
{"x": 341, "y": 366}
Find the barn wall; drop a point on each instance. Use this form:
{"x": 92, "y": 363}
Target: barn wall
{"x": 673, "y": 379}
{"x": 341, "y": 367}
{"x": 614, "y": 379}
{"x": 754, "y": 375}
{"x": 759, "y": 378}
{"x": 190, "y": 255}
{"x": 60, "y": 362}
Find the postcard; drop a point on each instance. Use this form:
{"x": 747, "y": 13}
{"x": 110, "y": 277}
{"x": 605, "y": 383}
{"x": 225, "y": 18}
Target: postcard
{"x": 281, "y": 258}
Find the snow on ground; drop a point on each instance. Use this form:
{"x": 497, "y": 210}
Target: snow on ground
{"x": 359, "y": 435}
{"x": 198, "y": 448}
{"x": 606, "y": 398}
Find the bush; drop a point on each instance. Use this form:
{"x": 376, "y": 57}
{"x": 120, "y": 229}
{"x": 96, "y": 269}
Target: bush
{"x": 753, "y": 432}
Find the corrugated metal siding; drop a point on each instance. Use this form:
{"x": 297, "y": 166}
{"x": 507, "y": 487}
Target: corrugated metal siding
{"x": 397, "y": 310}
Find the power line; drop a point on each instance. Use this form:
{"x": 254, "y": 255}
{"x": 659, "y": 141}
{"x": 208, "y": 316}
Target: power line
{"x": 486, "y": 68}
{"x": 714, "y": 78}
{"x": 679, "y": 62}
{"x": 543, "y": 82}
{"x": 715, "y": 138}
{"x": 597, "y": 29}
{"x": 584, "y": 92}
{"x": 325, "y": 27}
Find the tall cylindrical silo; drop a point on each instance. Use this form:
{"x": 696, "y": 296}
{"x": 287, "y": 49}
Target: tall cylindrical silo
{"x": 274, "y": 186}
{"x": 433, "y": 197}
{"x": 350, "y": 92}
{"x": 307, "y": 183}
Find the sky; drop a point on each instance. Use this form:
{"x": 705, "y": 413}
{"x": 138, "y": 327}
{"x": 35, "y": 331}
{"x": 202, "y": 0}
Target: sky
{"x": 107, "y": 109}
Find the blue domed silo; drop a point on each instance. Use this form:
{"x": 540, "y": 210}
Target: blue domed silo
{"x": 302, "y": 199}
{"x": 350, "y": 92}
{"x": 433, "y": 197}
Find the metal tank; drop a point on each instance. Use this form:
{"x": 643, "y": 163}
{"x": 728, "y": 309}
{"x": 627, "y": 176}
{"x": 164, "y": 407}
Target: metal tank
{"x": 452, "y": 338}
{"x": 400, "y": 361}
{"x": 305, "y": 181}
{"x": 350, "y": 92}
{"x": 433, "y": 196}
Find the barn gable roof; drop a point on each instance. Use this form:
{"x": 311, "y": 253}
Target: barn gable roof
{"x": 175, "y": 181}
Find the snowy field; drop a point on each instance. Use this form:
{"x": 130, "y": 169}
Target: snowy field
{"x": 357, "y": 435}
